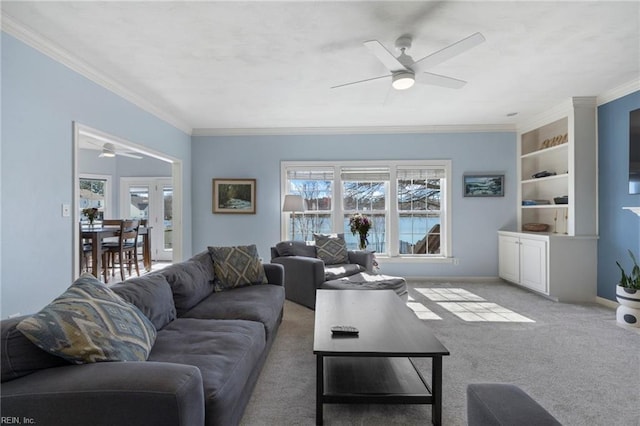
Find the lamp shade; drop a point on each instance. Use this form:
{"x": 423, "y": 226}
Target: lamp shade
{"x": 293, "y": 203}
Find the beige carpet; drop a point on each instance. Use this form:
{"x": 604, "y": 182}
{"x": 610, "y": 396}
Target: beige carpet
{"x": 573, "y": 359}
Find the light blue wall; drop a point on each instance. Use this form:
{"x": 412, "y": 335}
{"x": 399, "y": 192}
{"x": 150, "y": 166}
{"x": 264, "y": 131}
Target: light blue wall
{"x": 619, "y": 229}
{"x": 40, "y": 101}
{"x": 475, "y": 220}
{"x": 42, "y": 98}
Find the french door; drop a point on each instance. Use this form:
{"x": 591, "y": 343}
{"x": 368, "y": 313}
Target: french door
{"x": 151, "y": 199}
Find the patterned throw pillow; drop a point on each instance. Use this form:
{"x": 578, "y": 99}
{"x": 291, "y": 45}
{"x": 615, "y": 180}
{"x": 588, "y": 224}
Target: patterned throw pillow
{"x": 331, "y": 248}
{"x": 237, "y": 266}
{"x": 90, "y": 323}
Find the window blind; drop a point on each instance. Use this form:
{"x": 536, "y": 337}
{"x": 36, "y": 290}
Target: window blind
{"x": 420, "y": 173}
{"x": 365, "y": 174}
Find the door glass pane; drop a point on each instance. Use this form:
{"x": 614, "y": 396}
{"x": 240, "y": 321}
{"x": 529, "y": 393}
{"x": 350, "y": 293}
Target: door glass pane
{"x": 139, "y": 202}
{"x": 167, "y": 206}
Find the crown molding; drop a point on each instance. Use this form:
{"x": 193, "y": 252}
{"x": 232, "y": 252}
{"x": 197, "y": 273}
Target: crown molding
{"x": 556, "y": 112}
{"x": 620, "y": 91}
{"x": 285, "y": 131}
{"x": 66, "y": 58}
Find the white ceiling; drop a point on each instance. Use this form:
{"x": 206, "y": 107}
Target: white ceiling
{"x": 213, "y": 66}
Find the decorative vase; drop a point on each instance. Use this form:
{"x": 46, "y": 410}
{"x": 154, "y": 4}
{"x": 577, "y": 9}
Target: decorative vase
{"x": 628, "y": 313}
{"x": 363, "y": 241}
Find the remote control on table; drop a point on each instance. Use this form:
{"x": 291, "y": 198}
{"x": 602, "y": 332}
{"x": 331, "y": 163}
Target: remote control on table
{"x": 344, "y": 329}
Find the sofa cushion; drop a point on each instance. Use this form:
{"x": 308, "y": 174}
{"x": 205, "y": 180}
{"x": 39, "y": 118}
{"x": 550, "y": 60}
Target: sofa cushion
{"x": 152, "y": 295}
{"x": 190, "y": 283}
{"x": 225, "y": 351}
{"x": 90, "y": 323}
{"x": 295, "y": 248}
{"x": 333, "y": 272}
{"x": 19, "y": 356}
{"x": 204, "y": 258}
{"x": 262, "y": 303}
{"x": 331, "y": 248}
{"x": 237, "y": 266}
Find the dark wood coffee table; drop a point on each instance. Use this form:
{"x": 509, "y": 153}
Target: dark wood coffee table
{"x": 375, "y": 366}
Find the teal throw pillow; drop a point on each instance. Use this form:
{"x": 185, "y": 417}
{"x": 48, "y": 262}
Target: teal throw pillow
{"x": 237, "y": 266}
{"x": 331, "y": 248}
{"x": 90, "y": 323}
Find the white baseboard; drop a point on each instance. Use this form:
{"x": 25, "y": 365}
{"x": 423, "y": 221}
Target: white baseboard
{"x": 599, "y": 300}
{"x": 606, "y": 302}
{"x": 454, "y": 279}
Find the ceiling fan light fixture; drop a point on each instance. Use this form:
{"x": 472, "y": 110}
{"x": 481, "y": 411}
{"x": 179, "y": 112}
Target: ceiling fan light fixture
{"x": 108, "y": 150}
{"x": 403, "y": 80}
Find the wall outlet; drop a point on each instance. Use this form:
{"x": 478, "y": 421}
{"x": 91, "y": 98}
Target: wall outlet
{"x": 456, "y": 261}
{"x": 66, "y": 210}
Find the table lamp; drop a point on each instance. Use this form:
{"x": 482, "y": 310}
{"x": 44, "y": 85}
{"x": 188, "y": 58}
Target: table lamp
{"x": 293, "y": 203}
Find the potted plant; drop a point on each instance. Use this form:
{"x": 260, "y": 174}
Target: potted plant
{"x": 360, "y": 224}
{"x": 628, "y": 294}
{"x": 91, "y": 213}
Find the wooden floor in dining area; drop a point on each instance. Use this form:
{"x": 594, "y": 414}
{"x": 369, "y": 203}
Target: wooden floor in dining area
{"x": 155, "y": 266}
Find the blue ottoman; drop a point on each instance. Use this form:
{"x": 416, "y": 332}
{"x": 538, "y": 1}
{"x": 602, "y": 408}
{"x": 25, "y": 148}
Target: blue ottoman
{"x": 497, "y": 404}
{"x": 365, "y": 281}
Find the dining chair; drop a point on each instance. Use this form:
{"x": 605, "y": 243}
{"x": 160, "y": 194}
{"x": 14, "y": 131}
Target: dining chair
{"x": 109, "y": 223}
{"x": 143, "y": 224}
{"x": 124, "y": 250}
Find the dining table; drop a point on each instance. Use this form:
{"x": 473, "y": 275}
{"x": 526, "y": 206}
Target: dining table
{"x": 98, "y": 233}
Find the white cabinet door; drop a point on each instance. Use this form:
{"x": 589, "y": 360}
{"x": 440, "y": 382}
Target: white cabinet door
{"x": 533, "y": 264}
{"x": 509, "y": 258}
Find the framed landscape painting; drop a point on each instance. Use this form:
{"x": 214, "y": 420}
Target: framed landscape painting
{"x": 234, "y": 196}
{"x": 483, "y": 185}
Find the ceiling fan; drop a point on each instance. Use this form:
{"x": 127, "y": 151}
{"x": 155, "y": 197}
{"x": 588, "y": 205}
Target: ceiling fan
{"x": 109, "y": 151}
{"x": 405, "y": 71}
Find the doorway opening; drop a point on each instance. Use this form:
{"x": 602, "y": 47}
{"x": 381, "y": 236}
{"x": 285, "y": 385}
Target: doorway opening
{"x": 154, "y": 199}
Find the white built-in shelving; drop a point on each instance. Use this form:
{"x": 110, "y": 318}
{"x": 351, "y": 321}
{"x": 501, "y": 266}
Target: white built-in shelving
{"x": 559, "y": 263}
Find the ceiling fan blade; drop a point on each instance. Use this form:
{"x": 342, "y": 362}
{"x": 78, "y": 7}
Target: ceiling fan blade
{"x": 439, "y": 80}
{"x": 448, "y": 52}
{"x": 360, "y": 81}
{"x": 384, "y": 56}
{"x": 126, "y": 154}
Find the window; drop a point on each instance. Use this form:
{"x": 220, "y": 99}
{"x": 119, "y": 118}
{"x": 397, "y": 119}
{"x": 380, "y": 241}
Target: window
{"x": 95, "y": 192}
{"x": 407, "y": 202}
{"x": 419, "y": 210}
{"x": 366, "y": 190}
{"x": 316, "y": 188}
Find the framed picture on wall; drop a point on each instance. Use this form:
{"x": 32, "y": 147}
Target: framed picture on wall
{"x": 483, "y": 185}
{"x": 234, "y": 196}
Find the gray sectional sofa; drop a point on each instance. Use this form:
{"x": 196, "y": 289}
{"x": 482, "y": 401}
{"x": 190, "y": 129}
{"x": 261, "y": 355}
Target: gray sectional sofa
{"x": 208, "y": 353}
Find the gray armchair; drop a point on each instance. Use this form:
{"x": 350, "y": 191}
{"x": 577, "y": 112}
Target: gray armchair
{"x": 304, "y": 273}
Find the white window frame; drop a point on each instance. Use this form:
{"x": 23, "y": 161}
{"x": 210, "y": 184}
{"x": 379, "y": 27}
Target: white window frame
{"x": 337, "y": 211}
{"x": 108, "y": 191}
